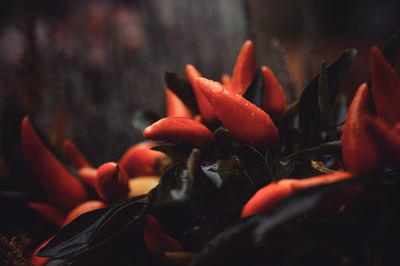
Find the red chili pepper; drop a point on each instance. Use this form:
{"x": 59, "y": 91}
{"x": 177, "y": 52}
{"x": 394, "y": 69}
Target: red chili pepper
{"x": 74, "y": 156}
{"x": 269, "y": 196}
{"x": 156, "y": 240}
{"x": 112, "y": 182}
{"x": 248, "y": 123}
{"x": 61, "y": 187}
{"x": 385, "y": 88}
{"x": 245, "y": 69}
{"x": 40, "y": 261}
{"x": 359, "y": 150}
{"x": 88, "y": 176}
{"x": 206, "y": 110}
{"x": 52, "y": 214}
{"x": 175, "y": 106}
{"x": 274, "y": 97}
{"x": 85, "y": 207}
{"x": 227, "y": 81}
{"x": 176, "y": 130}
{"x": 387, "y": 139}
{"x": 140, "y": 160}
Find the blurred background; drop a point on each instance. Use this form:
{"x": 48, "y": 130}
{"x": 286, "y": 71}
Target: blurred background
{"x": 81, "y": 69}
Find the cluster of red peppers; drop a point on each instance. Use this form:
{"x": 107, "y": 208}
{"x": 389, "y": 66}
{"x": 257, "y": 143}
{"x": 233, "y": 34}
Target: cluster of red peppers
{"x": 369, "y": 143}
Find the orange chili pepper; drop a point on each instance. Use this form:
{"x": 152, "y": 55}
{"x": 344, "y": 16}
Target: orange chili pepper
{"x": 269, "y": 196}
{"x": 52, "y": 214}
{"x": 385, "y": 87}
{"x": 40, "y": 261}
{"x": 274, "y": 97}
{"x": 245, "y": 69}
{"x": 156, "y": 240}
{"x": 112, "y": 182}
{"x": 175, "y": 106}
{"x": 88, "y": 176}
{"x": 177, "y": 130}
{"x": 206, "y": 110}
{"x": 248, "y": 123}
{"x": 59, "y": 184}
{"x": 359, "y": 150}
{"x": 227, "y": 81}
{"x": 140, "y": 160}
{"x": 82, "y": 208}
{"x": 73, "y": 155}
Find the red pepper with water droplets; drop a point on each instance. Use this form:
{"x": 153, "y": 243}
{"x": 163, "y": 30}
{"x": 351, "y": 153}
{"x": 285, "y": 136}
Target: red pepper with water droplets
{"x": 274, "y": 98}
{"x": 178, "y": 130}
{"x": 73, "y": 155}
{"x": 156, "y": 240}
{"x": 271, "y": 195}
{"x": 175, "y": 106}
{"x": 60, "y": 186}
{"x": 248, "y": 123}
{"x": 359, "y": 150}
{"x": 385, "y": 87}
{"x": 245, "y": 69}
{"x": 140, "y": 160}
{"x": 112, "y": 182}
{"x": 206, "y": 109}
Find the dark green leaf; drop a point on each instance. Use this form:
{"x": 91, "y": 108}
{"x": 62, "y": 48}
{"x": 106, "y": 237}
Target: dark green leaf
{"x": 255, "y": 92}
{"x": 391, "y": 51}
{"x": 324, "y": 103}
{"x": 224, "y": 142}
{"x": 182, "y": 88}
{"x": 308, "y": 107}
{"x": 253, "y": 164}
{"x": 143, "y": 118}
{"x": 281, "y": 70}
{"x": 333, "y": 147}
{"x": 251, "y": 231}
{"x": 178, "y": 152}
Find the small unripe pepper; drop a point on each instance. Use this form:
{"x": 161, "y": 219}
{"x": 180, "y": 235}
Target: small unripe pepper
{"x": 269, "y": 196}
{"x": 142, "y": 185}
{"x": 175, "y": 106}
{"x": 73, "y": 155}
{"x": 140, "y": 160}
{"x": 385, "y": 87}
{"x": 82, "y": 208}
{"x": 248, "y": 123}
{"x": 156, "y": 240}
{"x": 177, "y": 130}
{"x": 274, "y": 97}
{"x": 245, "y": 69}
{"x": 60, "y": 186}
{"x": 112, "y": 182}
{"x": 359, "y": 150}
{"x": 206, "y": 109}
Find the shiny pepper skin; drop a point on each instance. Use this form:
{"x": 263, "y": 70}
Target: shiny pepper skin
{"x": 175, "y": 106}
{"x": 156, "y": 240}
{"x": 82, "y": 208}
{"x": 359, "y": 149}
{"x": 245, "y": 69}
{"x": 248, "y": 123}
{"x": 269, "y": 196}
{"x": 140, "y": 160}
{"x": 177, "y": 130}
{"x": 112, "y": 182}
{"x": 274, "y": 98}
{"x": 385, "y": 87}
{"x": 206, "y": 109}
{"x": 74, "y": 156}
{"x": 40, "y": 261}
{"x": 60, "y": 186}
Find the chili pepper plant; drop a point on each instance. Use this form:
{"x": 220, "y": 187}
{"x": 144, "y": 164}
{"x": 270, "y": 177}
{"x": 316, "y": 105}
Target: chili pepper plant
{"x": 238, "y": 175}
